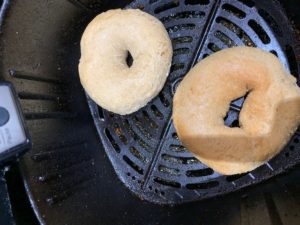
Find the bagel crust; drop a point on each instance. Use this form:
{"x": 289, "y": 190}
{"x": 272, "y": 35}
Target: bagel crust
{"x": 103, "y": 70}
{"x": 268, "y": 118}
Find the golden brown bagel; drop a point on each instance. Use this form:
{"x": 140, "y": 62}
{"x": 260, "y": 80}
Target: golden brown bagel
{"x": 103, "y": 70}
{"x": 269, "y": 116}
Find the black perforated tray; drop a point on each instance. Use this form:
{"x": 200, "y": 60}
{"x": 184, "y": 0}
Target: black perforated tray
{"x": 144, "y": 148}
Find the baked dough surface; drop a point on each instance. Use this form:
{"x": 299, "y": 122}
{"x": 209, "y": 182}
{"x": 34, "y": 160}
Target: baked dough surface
{"x": 269, "y": 116}
{"x": 103, "y": 70}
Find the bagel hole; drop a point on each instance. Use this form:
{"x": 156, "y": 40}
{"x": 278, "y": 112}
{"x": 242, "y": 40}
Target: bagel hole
{"x": 129, "y": 59}
{"x": 232, "y": 117}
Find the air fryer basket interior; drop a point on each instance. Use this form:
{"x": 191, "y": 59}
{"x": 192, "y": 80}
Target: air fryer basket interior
{"x": 69, "y": 177}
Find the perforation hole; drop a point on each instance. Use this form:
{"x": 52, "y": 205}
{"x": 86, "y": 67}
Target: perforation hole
{"x": 271, "y": 21}
{"x": 120, "y": 133}
{"x": 156, "y": 112}
{"x": 136, "y": 137}
{"x": 205, "y": 55}
{"x": 112, "y": 141}
{"x": 181, "y": 51}
{"x": 287, "y": 154}
{"x": 140, "y": 125}
{"x": 133, "y": 165}
{"x": 292, "y": 60}
{"x": 199, "y": 173}
{"x": 183, "y": 15}
{"x": 235, "y": 11}
{"x": 175, "y": 136}
{"x": 100, "y": 113}
{"x": 207, "y": 185}
{"x": 296, "y": 140}
{"x": 138, "y": 155}
{"x": 149, "y": 120}
{"x": 177, "y": 148}
{"x": 169, "y": 183}
{"x": 261, "y": 33}
{"x": 292, "y": 148}
{"x": 168, "y": 170}
{"x": 213, "y": 47}
{"x": 176, "y": 28}
{"x": 182, "y": 40}
{"x": 248, "y": 3}
{"x": 196, "y": 2}
{"x": 167, "y": 6}
{"x": 180, "y": 160}
{"x": 224, "y": 38}
{"x": 237, "y": 30}
{"x": 163, "y": 99}
{"x": 274, "y": 53}
{"x": 176, "y": 67}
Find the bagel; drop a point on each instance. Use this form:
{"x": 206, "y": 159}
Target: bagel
{"x": 103, "y": 70}
{"x": 268, "y": 118}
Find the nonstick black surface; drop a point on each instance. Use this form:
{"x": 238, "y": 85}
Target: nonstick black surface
{"x": 68, "y": 177}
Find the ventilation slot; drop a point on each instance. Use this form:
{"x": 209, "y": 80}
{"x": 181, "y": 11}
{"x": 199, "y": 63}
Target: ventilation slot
{"x": 176, "y": 28}
{"x": 199, "y": 173}
{"x": 137, "y": 154}
{"x": 136, "y": 137}
{"x": 120, "y": 133}
{"x": 248, "y": 3}
{"x": 271, "y": 22}
{"x": 166, "y": 6}
{"x": 182, "y": 40}
{"x": 274, "y": 53}
{"x": 168, "y": 170}
{"x": 181, "y": 51}
{"x": 175, "y": 136}
{"x": 233, "y": 178}
{"x": 180, "y": 160}
{"x": 261, "y": 33}
{"x": 112, "y": 141}
{"x": 237, "y": 30}
{"x": 225, "y": 39}
{"x": 133, "y": 165}
{"x": 175, "y": 67}
{"x": 213, "y": 47}
{"x": 149, "y": 120}
{"x": 235, "y": 11}
{"x": 207, "y": 185}
{"x": 140, "y": 125}
{"x": 156, "y": 112}
{"x": 292, "y": 60}
{"x": 163, "y": 99}
{"x": 177, "y": 148}
{"x": 183, "y": 15}
{"x": 196, "y": 2}
{"x": 100, "y": 113}
{"x": 169, "y": 183}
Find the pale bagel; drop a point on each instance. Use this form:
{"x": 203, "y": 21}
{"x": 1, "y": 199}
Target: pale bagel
{"x": 269, "y": 116}
{"x": 103, "y": 70}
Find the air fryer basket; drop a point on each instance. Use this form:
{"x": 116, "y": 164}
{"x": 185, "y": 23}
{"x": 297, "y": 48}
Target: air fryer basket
{"x": 67, "y": 171}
